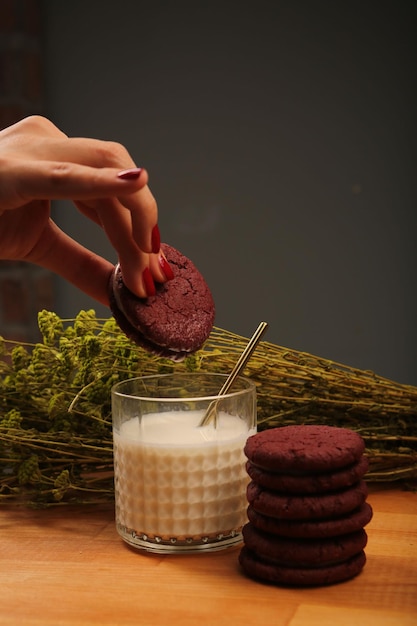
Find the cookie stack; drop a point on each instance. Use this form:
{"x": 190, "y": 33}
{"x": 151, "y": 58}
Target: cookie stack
{"x": 307, "y": 505}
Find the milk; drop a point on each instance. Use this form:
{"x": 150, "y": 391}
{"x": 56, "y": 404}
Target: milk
{"x": 174, "y": 479}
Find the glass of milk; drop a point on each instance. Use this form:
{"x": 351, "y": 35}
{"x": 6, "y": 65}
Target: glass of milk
{"x": 179, "y": 486}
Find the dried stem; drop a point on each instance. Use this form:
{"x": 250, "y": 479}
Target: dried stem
{"x": 55, "y": 421}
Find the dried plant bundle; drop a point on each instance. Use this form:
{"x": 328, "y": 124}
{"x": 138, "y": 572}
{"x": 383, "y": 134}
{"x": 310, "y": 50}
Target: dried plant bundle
{"x": 55, "y": 404}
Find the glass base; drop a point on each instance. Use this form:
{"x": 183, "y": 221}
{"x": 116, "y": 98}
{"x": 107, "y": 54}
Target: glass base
{"x": 173, "y": 545}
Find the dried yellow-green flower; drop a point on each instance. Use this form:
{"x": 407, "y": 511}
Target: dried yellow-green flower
{"x": 55, "y": 404}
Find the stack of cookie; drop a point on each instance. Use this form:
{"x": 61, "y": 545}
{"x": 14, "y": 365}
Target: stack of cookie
{"x": 307, "y": 505}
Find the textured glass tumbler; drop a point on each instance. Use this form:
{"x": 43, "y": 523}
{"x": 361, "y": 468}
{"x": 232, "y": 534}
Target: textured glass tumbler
{"x": 180, "y": 486}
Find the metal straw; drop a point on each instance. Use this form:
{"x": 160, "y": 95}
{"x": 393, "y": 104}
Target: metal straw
{"x": 240, "y": 364}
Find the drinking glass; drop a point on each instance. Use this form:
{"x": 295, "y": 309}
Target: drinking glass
{"x": 181, "y": 486}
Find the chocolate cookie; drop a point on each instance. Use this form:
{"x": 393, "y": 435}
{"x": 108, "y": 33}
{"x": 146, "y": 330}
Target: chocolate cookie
{"x": 342, "y": 525}
{"x": 303, "y": 552}
{"x": 306, "y": 507}
{"x": 304, "y": 449}
{"x": 173, "y": 323}
{"x": 309, "y": 483}
{"x": 268, "y": 571}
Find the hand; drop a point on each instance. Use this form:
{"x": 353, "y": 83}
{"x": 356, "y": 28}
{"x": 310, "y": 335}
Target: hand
{"x": 39, "y": 163}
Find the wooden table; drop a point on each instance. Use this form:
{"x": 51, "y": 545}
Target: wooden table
{"x": 67, "y": 566}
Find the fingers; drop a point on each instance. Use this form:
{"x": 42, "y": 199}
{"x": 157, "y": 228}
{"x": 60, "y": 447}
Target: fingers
{"x": 144, "y": 218}
{"x": 64, "y": 256}
{"x": 104, "y": 154}
{"x": 53, "y": 180}
{"x": 20, "y": 184}
{"x": 42, "y": 163}
{"x": 49, "y": 165}
{"x": 139, "y": 268}
{"x": 129, "y": 222}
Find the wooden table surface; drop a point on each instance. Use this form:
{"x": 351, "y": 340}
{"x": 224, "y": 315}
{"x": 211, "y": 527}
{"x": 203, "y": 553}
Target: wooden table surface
{"x": 68, "y": 566}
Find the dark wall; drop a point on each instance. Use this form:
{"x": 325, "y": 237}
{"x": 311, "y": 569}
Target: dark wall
{"x": 280, "y": 144}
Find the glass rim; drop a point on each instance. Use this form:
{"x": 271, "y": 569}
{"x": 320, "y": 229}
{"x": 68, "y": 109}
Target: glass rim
{"x": 250, "y": 386}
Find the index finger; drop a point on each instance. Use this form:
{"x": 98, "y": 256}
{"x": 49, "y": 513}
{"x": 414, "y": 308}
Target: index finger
{"x": 52, "y": 180}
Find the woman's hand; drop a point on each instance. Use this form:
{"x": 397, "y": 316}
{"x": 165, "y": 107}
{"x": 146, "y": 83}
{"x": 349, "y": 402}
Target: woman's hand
{"x": 39, "y": 163}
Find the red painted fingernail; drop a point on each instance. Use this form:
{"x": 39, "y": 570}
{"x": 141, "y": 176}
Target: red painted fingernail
{"x": 166, "y": 268}
{"x": 131, "y": 174}
{"x": 148, "y": 282}
{"x": 156, "y": 239}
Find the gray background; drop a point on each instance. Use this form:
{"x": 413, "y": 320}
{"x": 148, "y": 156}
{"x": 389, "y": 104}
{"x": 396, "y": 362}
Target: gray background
{"x": 280, "y": 142}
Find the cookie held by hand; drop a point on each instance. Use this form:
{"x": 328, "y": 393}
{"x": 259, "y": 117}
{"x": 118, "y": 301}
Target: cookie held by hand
{"x": 173, "y": 323}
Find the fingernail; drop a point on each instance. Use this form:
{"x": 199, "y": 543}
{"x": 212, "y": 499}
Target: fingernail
{"x": 131, "y": 174}
{"x": 156, "y": 239}
{"x": 148, "y": 282}
{"x": 166, "y": 268}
